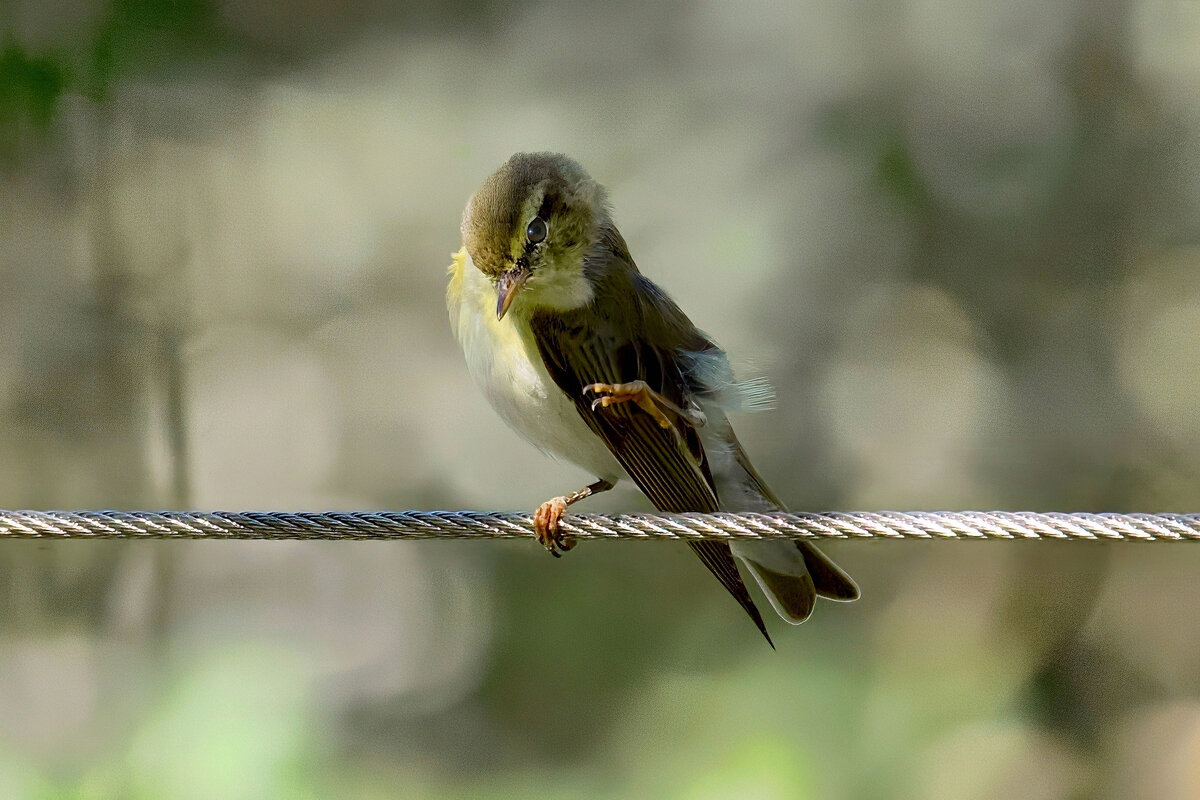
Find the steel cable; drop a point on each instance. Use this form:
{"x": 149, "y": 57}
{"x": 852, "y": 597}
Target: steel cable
{"x": 386, "y": 525}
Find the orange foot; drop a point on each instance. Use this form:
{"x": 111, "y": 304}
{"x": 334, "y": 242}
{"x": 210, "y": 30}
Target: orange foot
{"x": 545, "y": 526}
{"x": 611, "y": 394}
{"x": 650, "y": 401}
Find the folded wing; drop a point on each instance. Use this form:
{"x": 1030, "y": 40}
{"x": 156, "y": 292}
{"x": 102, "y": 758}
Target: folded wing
{"x": 634, "y": 332}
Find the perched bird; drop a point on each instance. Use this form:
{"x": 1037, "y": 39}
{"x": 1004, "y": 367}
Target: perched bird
{"x": 591, "y": 362}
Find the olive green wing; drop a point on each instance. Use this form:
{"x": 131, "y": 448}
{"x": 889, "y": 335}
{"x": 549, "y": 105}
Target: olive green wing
{"x": 669, "y": 465}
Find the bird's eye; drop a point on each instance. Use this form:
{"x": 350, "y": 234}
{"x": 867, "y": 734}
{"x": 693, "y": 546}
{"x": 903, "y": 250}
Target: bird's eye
{"x": 536, "y": 232}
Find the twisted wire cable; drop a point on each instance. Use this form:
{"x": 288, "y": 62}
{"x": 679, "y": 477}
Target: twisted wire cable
{"x": 399, "y": 525}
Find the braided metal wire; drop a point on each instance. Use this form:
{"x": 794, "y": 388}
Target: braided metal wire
{"x": 380, "y": 525}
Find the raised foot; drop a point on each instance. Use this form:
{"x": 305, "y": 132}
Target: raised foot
{"x": 546, "y": 526}
{"x": 639, "y": 392}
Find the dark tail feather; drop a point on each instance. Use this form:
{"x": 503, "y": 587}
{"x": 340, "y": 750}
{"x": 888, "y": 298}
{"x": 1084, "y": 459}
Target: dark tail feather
{"x": 831, "y": 581}
{"x": 827, "y": 576}
{"x": 719, "y": 560}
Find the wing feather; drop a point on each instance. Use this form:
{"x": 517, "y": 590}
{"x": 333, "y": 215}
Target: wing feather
{"x": 719, "y": 560}
{"x": 633, "y": 331}
{"x": 673, "y": 475}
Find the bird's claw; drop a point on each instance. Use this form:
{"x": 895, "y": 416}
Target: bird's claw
{"x": 638, "y": 392}
{"x": 546, "y": 526}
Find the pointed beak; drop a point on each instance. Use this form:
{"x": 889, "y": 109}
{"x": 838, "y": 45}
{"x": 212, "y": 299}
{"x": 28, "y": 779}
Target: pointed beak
{"x": 507, "y": 287}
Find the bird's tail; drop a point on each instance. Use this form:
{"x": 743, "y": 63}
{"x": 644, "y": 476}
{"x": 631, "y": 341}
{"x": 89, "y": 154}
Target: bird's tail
{"x": 828, "y": 578}
{"x": 791, "y": 574}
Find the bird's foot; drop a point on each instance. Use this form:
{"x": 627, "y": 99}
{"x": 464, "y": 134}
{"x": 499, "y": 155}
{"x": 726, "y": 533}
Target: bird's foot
{"x": 640, "y": 393}
{"x": 546, "y": 525}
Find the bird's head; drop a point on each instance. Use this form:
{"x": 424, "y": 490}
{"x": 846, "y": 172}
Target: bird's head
{"x": 528, "y": 228}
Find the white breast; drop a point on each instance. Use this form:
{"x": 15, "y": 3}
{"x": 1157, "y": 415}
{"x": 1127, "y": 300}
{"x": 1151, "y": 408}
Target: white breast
{"x": 503, "y": 359}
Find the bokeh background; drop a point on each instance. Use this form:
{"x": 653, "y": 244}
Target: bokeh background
{"x": 961, "y": 239}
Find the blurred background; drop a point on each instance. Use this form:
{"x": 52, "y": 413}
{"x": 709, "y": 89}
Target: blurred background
{"x": 961, "y": 239}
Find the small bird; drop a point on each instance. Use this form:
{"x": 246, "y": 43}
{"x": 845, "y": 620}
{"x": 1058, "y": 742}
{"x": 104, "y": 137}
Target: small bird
{"x": 591, "y": 362}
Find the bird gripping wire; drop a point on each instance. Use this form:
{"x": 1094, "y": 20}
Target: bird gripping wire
{"x": 401, "y": 525}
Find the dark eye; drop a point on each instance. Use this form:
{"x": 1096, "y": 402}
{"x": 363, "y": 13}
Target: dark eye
{"x": 536, "y": 232}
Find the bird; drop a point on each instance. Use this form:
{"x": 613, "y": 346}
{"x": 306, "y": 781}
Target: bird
{"x": 593, "y": 363}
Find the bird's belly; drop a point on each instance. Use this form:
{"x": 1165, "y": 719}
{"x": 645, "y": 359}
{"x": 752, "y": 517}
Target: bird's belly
{"x": 526, "y": 398}
{"x": 504, "y": 361}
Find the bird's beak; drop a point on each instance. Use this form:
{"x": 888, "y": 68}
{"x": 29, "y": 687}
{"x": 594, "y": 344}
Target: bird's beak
{"x": 507, "y": 287}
